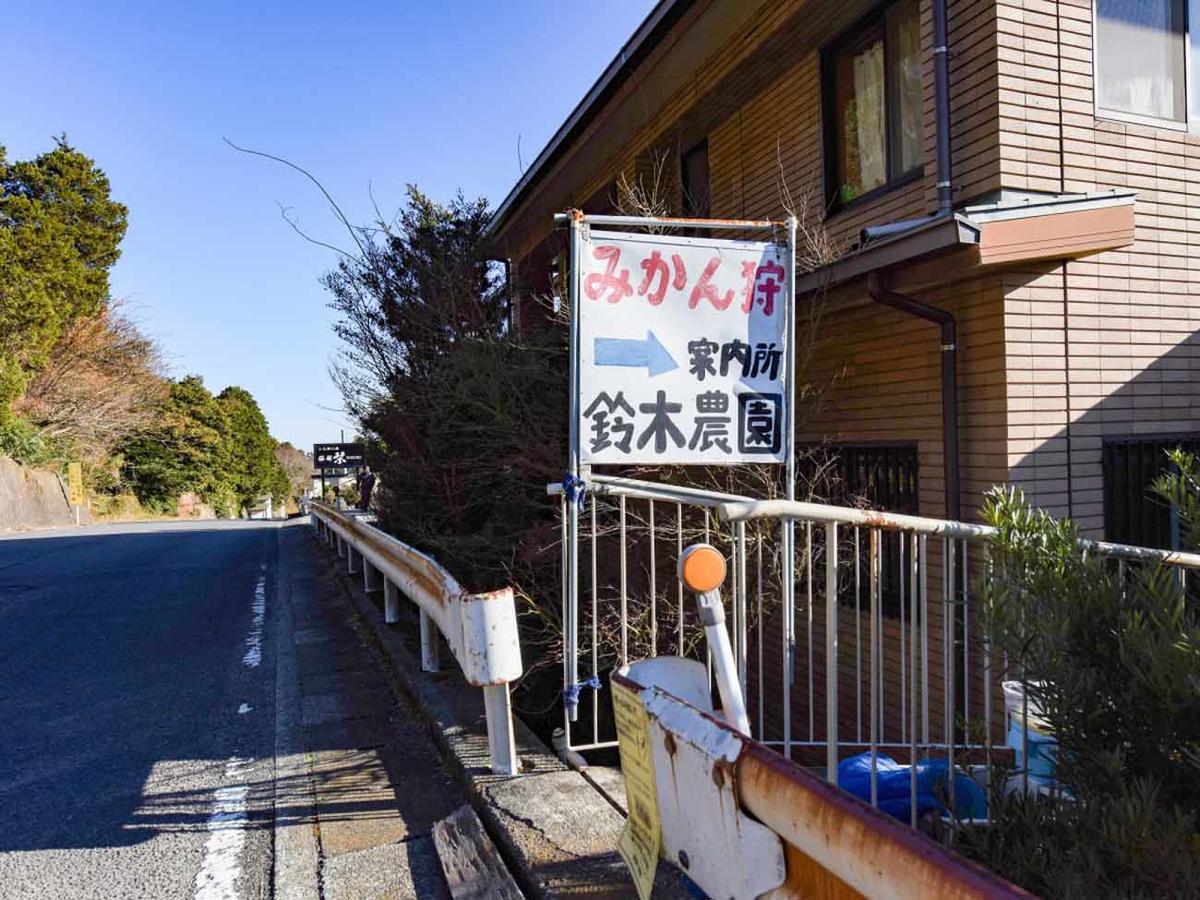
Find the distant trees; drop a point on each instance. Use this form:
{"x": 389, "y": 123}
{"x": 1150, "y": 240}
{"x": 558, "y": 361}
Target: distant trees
{"x": 218, "y": 447}
{"x": 252, "y": 469}
{"x": 298, "y": 465}
{"x": 78, "y": 378}
{"x": 184, "y": 450}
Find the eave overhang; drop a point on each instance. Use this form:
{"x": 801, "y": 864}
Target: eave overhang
{"x": 984, "y": 237}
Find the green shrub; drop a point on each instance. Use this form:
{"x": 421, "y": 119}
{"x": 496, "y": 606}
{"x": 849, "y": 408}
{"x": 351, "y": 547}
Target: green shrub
{"x": 1111, "y": 654}
{"x": 21, "y": 440}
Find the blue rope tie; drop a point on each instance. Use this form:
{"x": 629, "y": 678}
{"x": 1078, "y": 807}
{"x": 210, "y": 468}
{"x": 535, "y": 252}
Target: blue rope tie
{"x": 572, "y": 691}
{"x": 575, "y": 489}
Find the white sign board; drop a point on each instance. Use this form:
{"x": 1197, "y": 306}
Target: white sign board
{"x": 681, "y": 350}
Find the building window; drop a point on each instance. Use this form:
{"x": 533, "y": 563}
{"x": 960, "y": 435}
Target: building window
{"x": 1133, "y": 514}
{"x": 884, "y": 476}
{"x": 874, "y": 129}
{"x": 693, "y": 175}
{"x": 1141, "y": 49}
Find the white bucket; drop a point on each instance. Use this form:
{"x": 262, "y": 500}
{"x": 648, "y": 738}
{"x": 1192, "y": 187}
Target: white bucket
{"x": 1014, "y": 697}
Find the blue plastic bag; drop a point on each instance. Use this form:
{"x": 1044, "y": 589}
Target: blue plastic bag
{"x": 894, "y": 787}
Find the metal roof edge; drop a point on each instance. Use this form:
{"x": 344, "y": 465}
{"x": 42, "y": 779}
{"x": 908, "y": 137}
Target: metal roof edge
{"x": 662, "y": 16}
{"x": 944, "y": 232}
{"x": 939, "y": 233}
{"x": 1049, "y": 204}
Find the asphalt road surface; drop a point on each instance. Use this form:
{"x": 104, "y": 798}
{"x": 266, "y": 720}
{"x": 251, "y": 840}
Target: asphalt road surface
{"x": 137, "y": 714}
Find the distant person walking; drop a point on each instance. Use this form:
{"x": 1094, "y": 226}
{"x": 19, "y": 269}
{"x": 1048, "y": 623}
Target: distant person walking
{"x": 366, "y": 484}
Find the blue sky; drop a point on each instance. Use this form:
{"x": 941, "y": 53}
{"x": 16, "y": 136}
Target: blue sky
{"x": 365, "y": 95}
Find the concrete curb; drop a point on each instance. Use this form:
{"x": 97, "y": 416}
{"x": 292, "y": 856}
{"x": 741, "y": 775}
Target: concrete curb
{"x": 554, "y": 829}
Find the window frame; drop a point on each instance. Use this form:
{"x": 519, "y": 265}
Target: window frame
{"x": 874, "y": 20}
{"x": 1190, "y": 123}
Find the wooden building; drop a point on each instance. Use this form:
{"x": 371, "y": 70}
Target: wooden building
{"x": 1054, "y": 230}
{"x": 1073, "y": 308}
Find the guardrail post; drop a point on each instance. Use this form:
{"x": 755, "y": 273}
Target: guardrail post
{"x": 429, "y": 644}
{"x": 391, "y": 602}
{"x": 479, "y": 629}
{"x": 370, "y": 576}
{"x": 501, "y": 742}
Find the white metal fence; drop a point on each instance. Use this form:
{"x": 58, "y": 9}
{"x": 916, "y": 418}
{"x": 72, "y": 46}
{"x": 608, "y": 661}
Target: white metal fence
{"x": 876, "y": 648}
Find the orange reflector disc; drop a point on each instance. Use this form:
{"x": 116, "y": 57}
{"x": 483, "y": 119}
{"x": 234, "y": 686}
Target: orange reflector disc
{"x": 702, "y": 568}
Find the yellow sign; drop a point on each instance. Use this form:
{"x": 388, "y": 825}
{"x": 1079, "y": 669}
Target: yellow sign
{"x": 75, "y": 484}
{"x": 641, "y": 840}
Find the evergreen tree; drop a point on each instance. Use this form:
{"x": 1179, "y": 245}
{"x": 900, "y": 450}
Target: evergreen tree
{"x": 60, "y": 231}
{"x": 186, "y": 450}
{"x": 253, "y": 469}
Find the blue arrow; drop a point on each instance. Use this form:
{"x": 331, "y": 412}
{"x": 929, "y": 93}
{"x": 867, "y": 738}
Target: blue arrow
{"x": 633, "y": 353}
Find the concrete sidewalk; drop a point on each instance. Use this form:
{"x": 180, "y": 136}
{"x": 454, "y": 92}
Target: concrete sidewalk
{"x": 556, "y": 832}
{"x": 359, "y": 782}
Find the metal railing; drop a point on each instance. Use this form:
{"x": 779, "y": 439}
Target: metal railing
{"x": 480, "y": 629}
{"x": 742, "y": 821}
{"x": 877, "y": 648}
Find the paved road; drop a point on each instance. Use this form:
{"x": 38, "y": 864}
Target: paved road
{"x": 138, "y": 720}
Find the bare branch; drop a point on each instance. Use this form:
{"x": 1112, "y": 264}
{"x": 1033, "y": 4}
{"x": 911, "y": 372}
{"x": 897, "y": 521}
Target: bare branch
{"x": 337, "y": 210}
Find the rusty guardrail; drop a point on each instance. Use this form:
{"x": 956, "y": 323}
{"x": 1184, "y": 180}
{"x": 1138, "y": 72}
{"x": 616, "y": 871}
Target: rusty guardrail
{"x": 480, "y": 629}
{"x": 743, "y": 821}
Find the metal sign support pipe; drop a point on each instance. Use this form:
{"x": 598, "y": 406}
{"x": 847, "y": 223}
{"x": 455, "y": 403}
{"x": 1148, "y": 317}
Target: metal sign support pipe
{"x": 789, "y": 527}
{"x": 571, "y": 613}
{"x": 605, "y": 340}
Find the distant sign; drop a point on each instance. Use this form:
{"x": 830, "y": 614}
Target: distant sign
{"x": 75, "y": 484}
{"x": 681, "y": 350}
{"x": 641, "y": 840}
{"x": 338, "y": 456}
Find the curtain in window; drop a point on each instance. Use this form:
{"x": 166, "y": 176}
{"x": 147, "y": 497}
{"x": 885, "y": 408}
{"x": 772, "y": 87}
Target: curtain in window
{"x": 1140, "y": 57}
{"x": 870, "y": 118}
{"x": 904, "y": 51}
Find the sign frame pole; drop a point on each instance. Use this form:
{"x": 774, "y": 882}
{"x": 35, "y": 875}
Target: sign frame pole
{"x": 621, "y": 351}
{"x": 789, "y": 527}
{"x": 571, "y": 613}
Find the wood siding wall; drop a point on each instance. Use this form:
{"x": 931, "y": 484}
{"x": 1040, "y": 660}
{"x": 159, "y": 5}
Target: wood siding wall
{"x": 758, "y": 100}
{"x": 1054, "y": 356}
{"x": 1101, "y": 347}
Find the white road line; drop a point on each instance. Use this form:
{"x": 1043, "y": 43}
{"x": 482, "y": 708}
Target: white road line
{"x": 220, "y": 868}
{"x": 254, "y": 639}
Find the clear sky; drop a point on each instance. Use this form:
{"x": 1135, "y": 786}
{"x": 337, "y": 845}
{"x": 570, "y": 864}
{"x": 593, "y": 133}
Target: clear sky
{"x": 367, "y": 95}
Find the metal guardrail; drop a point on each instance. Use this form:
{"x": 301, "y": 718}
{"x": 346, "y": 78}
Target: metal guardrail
{"x": 480, "y": 629}
{"x": 743, "y": 821}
